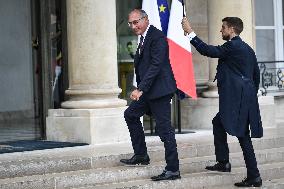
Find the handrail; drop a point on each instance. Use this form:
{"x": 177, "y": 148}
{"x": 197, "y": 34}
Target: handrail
{"x": 271, "y": 77}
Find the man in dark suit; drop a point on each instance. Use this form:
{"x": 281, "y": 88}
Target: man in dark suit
{"x": 156, "y": 86}
{"x": 237, "y": 81}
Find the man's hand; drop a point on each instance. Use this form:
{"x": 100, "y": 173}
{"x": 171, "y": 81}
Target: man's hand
{"x": 186, "y": 26}
{"x": 136, "y": 94}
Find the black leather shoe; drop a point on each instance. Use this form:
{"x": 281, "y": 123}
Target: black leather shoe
{"x": 137, "y": 160}
{"x": 167, "y": 175}
{"x": 256, "y": 182}
{"x": 221, "y": 167}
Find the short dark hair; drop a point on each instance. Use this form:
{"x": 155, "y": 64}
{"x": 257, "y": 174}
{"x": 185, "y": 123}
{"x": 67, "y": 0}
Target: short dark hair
{"x": 234, "y": 22}
{"x": 141, "y": 11}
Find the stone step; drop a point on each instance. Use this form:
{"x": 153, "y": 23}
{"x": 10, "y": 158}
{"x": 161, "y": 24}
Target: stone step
{"x": 123, "y": 173}
{"x": 91, "y": 157}
{"x": 280, "y": 123}
{"x": 274, "y": 184}
{"x": 199, "y": 180}
{"x": 268, "y": 184}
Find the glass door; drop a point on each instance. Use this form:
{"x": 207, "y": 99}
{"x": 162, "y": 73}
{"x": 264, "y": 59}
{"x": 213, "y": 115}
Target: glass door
{"x": 53, "y": 46}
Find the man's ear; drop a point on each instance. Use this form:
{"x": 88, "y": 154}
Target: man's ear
{"x": 232, "y": 29}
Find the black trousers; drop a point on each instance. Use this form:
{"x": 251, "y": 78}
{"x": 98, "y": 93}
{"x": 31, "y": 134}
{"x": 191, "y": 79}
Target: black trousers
{"x": 222, "y": 149}
{"x": 161, "y": 111}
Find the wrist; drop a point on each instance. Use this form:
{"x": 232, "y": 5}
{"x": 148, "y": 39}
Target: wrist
{"x": 139, "y": 89}
{"x": 191, "y": 35}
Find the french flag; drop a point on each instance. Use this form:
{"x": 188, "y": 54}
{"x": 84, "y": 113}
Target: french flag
{"x": 179, "y": 46}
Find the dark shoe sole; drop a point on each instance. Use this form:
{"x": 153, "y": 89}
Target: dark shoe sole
{"x": 253, "y": 185}
{"x": 224, "y": 171}
{"x": 171, "y": 178}
{"x": 135, "y": 165}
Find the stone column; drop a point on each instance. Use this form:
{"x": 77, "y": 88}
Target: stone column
{"x": 217, "y": 10}
{"x": 93, "y": 112}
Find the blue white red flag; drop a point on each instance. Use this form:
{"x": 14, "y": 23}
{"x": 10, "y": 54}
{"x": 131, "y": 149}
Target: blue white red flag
{"x": 179, "y": 47}
{"x": 180, "y": 52}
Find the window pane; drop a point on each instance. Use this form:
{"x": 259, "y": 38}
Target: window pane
{"x": 282, "y": 12}
{"x": 265, "y": 47}
{"x": 283, "y": 45}
{"x": 264, "y": 13}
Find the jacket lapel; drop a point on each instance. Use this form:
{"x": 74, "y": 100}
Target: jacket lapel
{"x": 138, "y": 56}
{"x": 147, "y": 38}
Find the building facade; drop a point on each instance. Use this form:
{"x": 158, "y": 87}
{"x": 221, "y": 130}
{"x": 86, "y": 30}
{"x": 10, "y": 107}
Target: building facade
{"x": 66, "y": 66}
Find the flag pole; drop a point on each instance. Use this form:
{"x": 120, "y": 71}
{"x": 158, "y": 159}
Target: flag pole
{"x": 178, "y": 100}
{"x": 179, "y": 116}
{"x": 183, "y": 13}
{"x": 183, "y": 9}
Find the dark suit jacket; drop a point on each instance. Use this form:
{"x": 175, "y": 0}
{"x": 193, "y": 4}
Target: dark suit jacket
{"x": 154, "y": 74}
{"x": 238, "y": 81}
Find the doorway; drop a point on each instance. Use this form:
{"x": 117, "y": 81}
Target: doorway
{"x": 32, "y": 75}
{"x": 20, "y": 82}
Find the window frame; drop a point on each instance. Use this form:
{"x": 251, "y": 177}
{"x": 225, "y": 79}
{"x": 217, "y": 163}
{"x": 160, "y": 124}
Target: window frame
{"x": 278, "y": 30}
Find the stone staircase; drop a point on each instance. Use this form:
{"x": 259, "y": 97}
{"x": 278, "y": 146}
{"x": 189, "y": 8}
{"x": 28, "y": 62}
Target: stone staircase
{"x": 98, "y": 166}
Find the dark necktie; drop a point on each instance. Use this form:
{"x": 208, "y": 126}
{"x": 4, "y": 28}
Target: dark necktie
{"x": 140, "y": 44}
